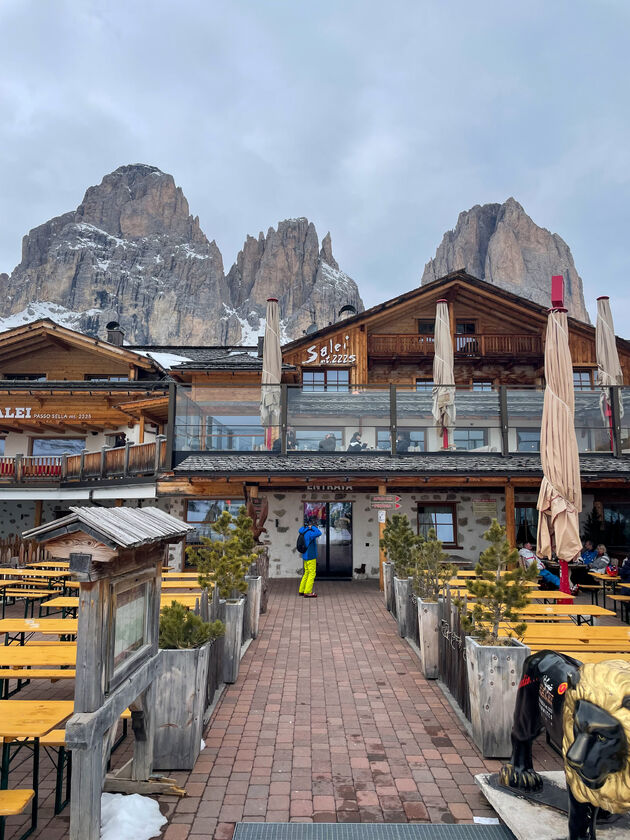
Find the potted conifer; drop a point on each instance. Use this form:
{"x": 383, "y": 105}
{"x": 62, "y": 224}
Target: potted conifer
{"x": 223, "y": 562}
{"x": 431, "y": 575}
{"x": 494, "y": 656}
{"x": 400, "y": 544}
{"x": 185, "y": 643}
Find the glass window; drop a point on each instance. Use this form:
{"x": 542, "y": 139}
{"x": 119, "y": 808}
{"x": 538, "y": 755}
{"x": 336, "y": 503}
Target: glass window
{"x": 528, "y": 440}
{"x": 465, "y": 327}
{"x": 617, "y": 524}
{"x": 470, "y": 438}
{"x": 333, "y": 379}
{"x": 582, "y": 380}
{"x": 105, "y": 377}
{"x": 482, "y": 385}
{"x": 440, "y": 518}
{"x": 408, "y": 440}
{"x": 202, "y": 513}
{"x": 57, "y": 446}
{"x": 26, "y": 377}
{"x": 526, "y": 522}
{"x": 2, "y": 443}
{"x": 423, "y": 384}
{"x": 319, "y": 439}
{"x": 426, "y": 327}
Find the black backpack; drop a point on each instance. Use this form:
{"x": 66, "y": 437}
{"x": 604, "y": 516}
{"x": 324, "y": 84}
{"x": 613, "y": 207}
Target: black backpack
{"x": 301, "y": 545}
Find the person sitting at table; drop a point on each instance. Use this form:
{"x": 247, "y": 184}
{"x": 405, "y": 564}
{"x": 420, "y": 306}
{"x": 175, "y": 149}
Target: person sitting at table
{"x": 328, "y": 443}
{"x": 355, "y": 444}
{"x": 624, "y": 570}
{"x": 601, "y": 561}
{"x": 588, "y": 553}
{"x": 403, "y": 442}
{"x": 529, "y": 556}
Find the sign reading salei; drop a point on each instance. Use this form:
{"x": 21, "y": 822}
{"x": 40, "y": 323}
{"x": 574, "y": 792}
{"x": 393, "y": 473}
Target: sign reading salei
{"x": 331, "y": 352}
{"x": 15, "y": 413}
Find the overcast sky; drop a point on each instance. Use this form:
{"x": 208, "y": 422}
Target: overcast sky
{"x": 378, "y": 121}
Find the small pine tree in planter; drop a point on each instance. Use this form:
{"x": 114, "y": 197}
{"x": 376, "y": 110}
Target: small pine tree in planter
{"x": 181, "y": 629}
{"x": 224, "y": 563}
{"x": 181, "y": 685}
{"x": 400, "y": 545}
{"x": 431, "y": 575}
{"x": 494, "y": 657}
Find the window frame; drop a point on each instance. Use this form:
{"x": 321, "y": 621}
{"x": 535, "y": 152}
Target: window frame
{"x": 453, "y": 507}
{"x": 428, "y": 385}
{"x": 386, "y": 430}
{"x": 429, "y": 326}
{"x": 196, "y": 523}
{"x": 580, "y": 371}
{"x": 525, "y": 506}
{"x": 333, "y": 387}
{"x": 519, "y": 429}
{"x": 472, "y": 321}
{"x": 482, "y": 382}
{"x": 34, "y": 438}
{"x": 322, "y": 433}
{"x": 105, "y": 377}
{"x": 25, "y": 377}
{"x": 469, "y": 429}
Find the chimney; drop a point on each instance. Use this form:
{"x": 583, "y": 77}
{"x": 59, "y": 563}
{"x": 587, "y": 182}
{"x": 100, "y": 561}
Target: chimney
{"x": 115, "y": 333}
{"x": 346, "y": 311}
{"x": 261, "y": 342}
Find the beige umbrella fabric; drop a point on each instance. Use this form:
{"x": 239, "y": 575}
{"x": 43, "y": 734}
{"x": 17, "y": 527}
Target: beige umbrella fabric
{"x": 443, "y": 374}
{"x": 271, "y": 373}
{"x": 608, "y": 368}
{"x": 560, "y": 497}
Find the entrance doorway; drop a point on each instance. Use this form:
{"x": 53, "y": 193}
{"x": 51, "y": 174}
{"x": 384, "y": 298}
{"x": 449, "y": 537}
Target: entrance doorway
{"x": 334, "y": 547}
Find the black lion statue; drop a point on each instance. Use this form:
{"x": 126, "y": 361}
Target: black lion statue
{"x": 587, "y": 708}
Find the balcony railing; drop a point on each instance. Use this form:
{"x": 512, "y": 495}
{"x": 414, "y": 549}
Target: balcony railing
{"x": 488, "y": 344}
{"x": 129, "y": 461}
{"x": 399, "y": 419}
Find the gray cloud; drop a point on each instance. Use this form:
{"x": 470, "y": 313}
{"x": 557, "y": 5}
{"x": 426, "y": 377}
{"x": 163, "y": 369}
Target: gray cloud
{"x": 380, "y": 123}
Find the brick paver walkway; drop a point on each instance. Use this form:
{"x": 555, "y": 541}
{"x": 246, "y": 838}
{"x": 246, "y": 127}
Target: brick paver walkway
{"x": 331, "y": 720}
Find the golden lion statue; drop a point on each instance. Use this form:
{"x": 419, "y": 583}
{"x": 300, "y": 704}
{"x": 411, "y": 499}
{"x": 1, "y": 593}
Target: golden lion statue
{"x": 588, "y": 707}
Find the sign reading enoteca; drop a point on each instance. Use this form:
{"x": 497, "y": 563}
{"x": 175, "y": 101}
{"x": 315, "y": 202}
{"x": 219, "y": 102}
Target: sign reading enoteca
{"x": 331, "y": 352}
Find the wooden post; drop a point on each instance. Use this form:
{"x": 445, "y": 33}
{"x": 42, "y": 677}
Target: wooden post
{"x": 141, "y": 430}
{"x": 38, "y": 513}
{"x": 87, "y": 787}
{"x": 142, "y": 762}
{"x": 381, "y": 528}
{"x": 510, "y": 516}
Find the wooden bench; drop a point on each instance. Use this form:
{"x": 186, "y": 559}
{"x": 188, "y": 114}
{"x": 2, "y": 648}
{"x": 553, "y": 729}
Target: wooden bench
{"x": 593, "y": 590}
{"x": 12, "y": 803}
{"x": 624, "y": 603}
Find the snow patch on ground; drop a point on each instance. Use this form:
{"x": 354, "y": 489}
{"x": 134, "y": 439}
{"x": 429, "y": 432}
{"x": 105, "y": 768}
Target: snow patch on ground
{"x": 203, "y": 745}
{"x": 132, "y": 817}
{"x": 46, "y": 309}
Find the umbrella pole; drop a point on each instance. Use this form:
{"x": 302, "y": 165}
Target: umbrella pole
{"x": 444, "y": 438}
{"x": 565, "y": 583}
{"x": 608, "y": 413}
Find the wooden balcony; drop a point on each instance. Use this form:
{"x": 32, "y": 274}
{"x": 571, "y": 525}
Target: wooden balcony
{"x": 487, "y": 345}
{"x": 129, "y": 461}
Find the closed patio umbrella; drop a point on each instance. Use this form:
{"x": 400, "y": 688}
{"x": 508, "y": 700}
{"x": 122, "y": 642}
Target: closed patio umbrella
{"x": 608, "y": 368}
{"x": 560, "y": 497}
{"x": 271, "y": 373}
{"x": 443, "y": 374}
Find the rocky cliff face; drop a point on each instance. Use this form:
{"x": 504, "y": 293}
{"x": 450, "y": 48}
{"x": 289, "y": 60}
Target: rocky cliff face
{"x": 501, "y": 244}
{"x": 131, "y": 252}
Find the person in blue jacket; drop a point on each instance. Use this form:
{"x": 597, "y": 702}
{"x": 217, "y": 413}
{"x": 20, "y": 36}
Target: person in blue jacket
{"x": 311, "y": 533}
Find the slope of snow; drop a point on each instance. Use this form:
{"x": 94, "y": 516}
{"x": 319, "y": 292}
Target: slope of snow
{"x": 46, "y": 309}
{"x": 165, "y": 360}
{"x": 132, "y": 817}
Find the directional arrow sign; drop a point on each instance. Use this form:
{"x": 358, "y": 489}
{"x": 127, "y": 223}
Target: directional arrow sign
{"x": 386, "y": 502}
{"x": 386, "y": 497}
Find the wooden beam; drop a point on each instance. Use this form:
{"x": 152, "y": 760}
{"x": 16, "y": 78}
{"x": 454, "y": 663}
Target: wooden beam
{"x": 37, "y": 520}
{"x": 141, "y": 429}
{"x": 510, "y": 516}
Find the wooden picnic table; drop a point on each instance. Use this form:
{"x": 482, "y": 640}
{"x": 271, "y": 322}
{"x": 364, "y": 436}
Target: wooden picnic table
{"x": 31, "y": 719}
{"x": 62, "y": 604}
{"x": 604, "y": 580}
{"x": 169, "y": 575}
{"x": 37, "y": 656}
{"x": 578, "y": 611}
{"x": 180, "y": 584}
{"x": 49, "y": 564}
{"x": 43, "y": 574}
{"x": 581, "y": 631}
{"x": 184, "y": 598}
{"x": 14, "y": 627}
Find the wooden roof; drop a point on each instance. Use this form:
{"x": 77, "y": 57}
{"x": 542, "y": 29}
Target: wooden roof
{"x": 41, "y": 334}
{"x": 457, "y": 280}
{"x": 151, "y": 407}
{"x": 118, "y": 527}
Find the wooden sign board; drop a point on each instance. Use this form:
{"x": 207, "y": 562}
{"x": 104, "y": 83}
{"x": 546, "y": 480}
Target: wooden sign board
{"x": 485, "y": 507}
{"x": 385, "y": 498}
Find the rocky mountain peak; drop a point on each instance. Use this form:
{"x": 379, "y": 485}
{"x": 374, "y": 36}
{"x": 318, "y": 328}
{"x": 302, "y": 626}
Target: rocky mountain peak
{"x": 501, "y": 244}
{"x": 131, "y": 252}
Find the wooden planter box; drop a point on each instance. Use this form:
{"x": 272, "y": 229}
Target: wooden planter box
{"x": 233, "y": 639}
{"x": 388, "y": 585}
{"x": 493, "y": 677}
{"x": 254, "y": 592}
{"x": 428, "y": 619}
{"x": 402, "y": 589}
{"x": 181, "y": 689}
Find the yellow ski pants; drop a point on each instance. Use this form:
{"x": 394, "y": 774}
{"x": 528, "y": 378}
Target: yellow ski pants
{"x": 308, "y": 578}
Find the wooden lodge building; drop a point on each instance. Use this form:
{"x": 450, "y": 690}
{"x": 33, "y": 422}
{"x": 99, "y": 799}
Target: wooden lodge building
{"x": 195, "y": 442}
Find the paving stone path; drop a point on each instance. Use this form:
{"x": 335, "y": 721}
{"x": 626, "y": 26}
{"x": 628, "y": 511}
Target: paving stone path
{"x": 331, "y": 720}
